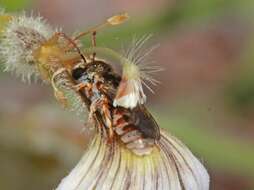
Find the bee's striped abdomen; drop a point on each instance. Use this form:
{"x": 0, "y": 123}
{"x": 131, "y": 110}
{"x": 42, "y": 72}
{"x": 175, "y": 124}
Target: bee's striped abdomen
{"x": 126, "y": 127}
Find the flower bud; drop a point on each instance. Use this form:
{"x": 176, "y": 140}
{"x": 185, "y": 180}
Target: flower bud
{"x": 118, "y": 19}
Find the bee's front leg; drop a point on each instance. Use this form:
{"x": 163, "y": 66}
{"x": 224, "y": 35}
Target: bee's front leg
{"x": 81, "y": 86}
{"x": 59, "y": 95}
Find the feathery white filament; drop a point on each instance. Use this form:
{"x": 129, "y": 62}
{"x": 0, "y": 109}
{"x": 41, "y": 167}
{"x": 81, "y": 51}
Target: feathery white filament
{"x": 136, "y": 71}
{"x": 138, "y": 55}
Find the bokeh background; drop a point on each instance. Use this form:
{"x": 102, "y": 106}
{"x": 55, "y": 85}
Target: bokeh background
{"x": 206, "y": 95}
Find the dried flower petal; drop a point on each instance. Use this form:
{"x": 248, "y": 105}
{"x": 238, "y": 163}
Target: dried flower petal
{"x": 170, "y": 166}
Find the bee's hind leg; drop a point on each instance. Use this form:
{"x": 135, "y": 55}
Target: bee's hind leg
{"x": 101, "y": 105}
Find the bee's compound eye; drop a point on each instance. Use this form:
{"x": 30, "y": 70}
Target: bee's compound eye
{"x": 77, "y": 73}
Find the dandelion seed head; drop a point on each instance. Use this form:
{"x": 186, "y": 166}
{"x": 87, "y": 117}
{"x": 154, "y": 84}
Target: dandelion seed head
{"x": 20, "y": 38}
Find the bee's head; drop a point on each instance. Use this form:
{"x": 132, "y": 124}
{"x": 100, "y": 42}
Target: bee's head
{"x": 98, "y": 68}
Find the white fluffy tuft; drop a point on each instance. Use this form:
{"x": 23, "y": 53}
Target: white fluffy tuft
{"x": 137, "y": 70}
{"x": 21, "y": 37}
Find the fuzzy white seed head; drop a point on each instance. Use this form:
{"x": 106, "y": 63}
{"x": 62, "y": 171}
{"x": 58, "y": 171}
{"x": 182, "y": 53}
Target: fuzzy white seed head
{"x": 137, "y": 70}
{"x": 22, "y": 35}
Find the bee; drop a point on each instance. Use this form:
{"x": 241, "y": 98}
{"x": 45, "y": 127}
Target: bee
{"x": 32, "y": 48}
{"x": 135, "y": 127}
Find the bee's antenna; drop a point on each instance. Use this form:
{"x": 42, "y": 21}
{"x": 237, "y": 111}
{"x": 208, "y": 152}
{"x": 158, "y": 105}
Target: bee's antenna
{"x": 71, "y": 41}
{"x": 112, "y": 21}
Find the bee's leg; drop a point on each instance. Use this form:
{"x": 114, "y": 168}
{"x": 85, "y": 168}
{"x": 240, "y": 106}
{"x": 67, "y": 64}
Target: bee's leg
{"x": 108, "y": 118}
{"x": 81, "y": 86}
{"x": 101, "y": 104}
{"x": 93, "y": 108}
{"x": 94, "y": 39}
{"x": 58, "y": 93}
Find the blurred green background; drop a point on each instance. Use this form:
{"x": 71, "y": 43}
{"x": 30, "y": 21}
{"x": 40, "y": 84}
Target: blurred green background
{"x": 206, "y": 95}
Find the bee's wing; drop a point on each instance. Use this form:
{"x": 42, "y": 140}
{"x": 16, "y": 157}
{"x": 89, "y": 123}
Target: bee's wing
{"x": 147, "y": 124}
